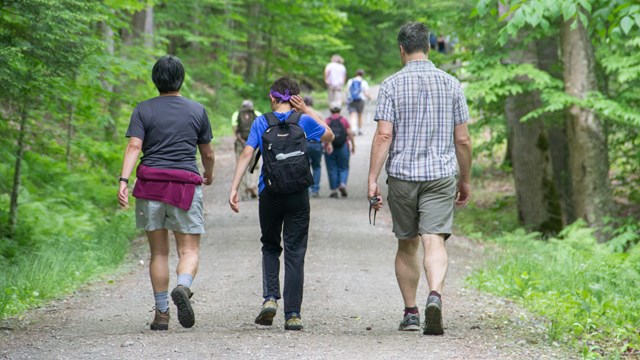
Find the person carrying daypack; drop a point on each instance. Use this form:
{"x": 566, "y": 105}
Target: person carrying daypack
{"x": 338, "y": 152}
{"x": 358, "y": 90}
{"x": 314, "y": 154}
{"x": 283, "y": 195}
{"x": 241, "y": 121}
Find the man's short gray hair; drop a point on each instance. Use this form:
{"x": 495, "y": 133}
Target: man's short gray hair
{"x": 414, "y": 37}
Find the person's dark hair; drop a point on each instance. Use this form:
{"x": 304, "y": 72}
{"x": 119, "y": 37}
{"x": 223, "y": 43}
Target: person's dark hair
{"x": 308, "y": 100}
{"x": 414, "y": 37}
{"x": 284, "y": 85}
{"x": 168, "y": 74}
{"x": 360, "y": 72}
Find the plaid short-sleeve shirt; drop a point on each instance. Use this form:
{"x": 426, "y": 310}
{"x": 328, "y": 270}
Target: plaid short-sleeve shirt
{"x": 424, "y": 104}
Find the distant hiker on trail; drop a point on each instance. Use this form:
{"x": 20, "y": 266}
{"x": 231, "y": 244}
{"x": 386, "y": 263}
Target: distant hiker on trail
{"x": 338, "y": 152}
{"x": 357, "y": 91}
{"x": 241, "y": 122}
{"x": 284, "y": 196}
{"x": 422, "y": 119}
{"x": 314, "y": 153}
{"x": 167, "y": 130}
{"x": 335, "y": 75}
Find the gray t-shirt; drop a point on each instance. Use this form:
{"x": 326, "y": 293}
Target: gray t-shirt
{"x": 170, "y": 128}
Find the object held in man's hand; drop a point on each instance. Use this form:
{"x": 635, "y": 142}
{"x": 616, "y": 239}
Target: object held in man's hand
{"x": 372, "y": 202}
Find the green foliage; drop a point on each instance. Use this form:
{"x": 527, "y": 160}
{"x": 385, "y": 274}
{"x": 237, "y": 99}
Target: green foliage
{"x": 587, "y": 292}
{"x": 69, "y": 258}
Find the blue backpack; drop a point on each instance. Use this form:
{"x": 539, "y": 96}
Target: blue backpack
{"x": 355, "y": 89}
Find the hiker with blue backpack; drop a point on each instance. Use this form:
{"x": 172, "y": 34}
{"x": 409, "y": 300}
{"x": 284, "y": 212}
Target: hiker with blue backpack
{"x": 283, "y": 200}
{"x": 338, "y": 151}
{"x": 357, "y": 91}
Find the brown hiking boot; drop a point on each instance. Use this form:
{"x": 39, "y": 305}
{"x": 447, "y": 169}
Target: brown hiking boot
{"x": 181, "y": 298}
{"x": 160, "y": 320}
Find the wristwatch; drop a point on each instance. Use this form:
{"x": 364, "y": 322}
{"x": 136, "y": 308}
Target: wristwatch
{"x": 120, "y": 179}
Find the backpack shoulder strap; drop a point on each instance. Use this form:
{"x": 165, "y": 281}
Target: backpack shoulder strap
{"x": 294, "y": 118}
{"x": 272, "y": 120}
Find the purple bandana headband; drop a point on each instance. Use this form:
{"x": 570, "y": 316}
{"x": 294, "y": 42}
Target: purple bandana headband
{"x": 285, "y": 97}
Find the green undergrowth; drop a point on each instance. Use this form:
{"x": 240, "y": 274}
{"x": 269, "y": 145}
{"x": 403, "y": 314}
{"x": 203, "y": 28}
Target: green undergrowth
{"x": 59, "y": 266}
{"x": 69, "y": 229}
{"x": 588, "y": 292}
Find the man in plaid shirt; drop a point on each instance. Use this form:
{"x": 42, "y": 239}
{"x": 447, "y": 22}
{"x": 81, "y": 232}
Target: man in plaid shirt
{"x": 423, "y": 136}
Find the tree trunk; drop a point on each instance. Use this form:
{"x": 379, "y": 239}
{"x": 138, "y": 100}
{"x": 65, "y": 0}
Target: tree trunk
{"x": 556, "y": 127}
{"x": 17, "y": 175}
{"x": 142, "y": 24}
{"x": 588, "y": 158}
{"x": 536, "y": 194}
{"x": 251, "y": 69}
{"x": 110, "y": 129}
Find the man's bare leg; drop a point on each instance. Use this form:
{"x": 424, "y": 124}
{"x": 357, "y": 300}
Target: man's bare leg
{"x": 188, "y": 246}
{"x": 353, "y": 122}
{"x": 359, "y": 122}
{"x": 188, "y": 256}
{"x": 159, "y": 264}
{"x": 436, "y": 260}
{"x": 408, "y": 270}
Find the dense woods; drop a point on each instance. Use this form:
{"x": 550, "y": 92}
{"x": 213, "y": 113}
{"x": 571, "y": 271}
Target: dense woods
{"x": 553, "y": 88}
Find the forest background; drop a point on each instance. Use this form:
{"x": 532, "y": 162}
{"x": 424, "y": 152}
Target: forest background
{"x": 552, "y": 86}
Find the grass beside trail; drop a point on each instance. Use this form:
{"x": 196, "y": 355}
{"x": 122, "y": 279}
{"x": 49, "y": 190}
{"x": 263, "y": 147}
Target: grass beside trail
{"x": 587, "y": 292}
{"x": 61, "y": 265}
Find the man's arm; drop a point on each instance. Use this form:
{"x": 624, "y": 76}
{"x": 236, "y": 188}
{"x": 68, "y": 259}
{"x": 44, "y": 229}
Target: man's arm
{"x": 379, "y": 152}
{"x": 464, "y": 154}
{"x": 208, "y": 160}
{"x": 241, "y": 169}
{"x": 131, "y": 155}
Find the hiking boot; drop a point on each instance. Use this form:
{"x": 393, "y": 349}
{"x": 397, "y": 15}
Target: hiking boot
{"x": 411, "y": 322}
{"x": 180, "y": 296}
{"x": 433, "y": 316}
{"x": 160, "y": 320}
{"x": 334, "y": 195}
{"x": 293, "y": 323}
{"x": 343, "y": 190}
{"x": 269, "y": 308}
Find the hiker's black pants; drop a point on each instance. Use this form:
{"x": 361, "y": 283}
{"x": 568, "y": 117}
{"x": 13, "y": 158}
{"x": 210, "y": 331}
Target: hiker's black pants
{"x": 289, "y": 215}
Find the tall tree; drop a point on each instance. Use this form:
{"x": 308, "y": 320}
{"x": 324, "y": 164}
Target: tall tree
{"x": 536, "y": 194}
{"x": 588, "y": 160}
{"x": 556, "y": 127}
{"x": 43, "y": 42}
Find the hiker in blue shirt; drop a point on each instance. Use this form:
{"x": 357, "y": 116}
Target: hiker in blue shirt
{"x": 280, "y": 210}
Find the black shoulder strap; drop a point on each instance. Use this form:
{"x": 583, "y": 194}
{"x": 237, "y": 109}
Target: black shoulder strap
{"x": 294, "y": 118}
{"x": 272, "y": 120}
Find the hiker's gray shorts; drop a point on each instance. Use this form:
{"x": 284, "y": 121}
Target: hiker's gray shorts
{"x": 154, "y": 215}
{"x": 355, "y": 106}
{"x": 424, "y": 207}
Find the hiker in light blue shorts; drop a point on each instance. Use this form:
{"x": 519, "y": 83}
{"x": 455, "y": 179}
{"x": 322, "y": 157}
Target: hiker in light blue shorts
{"x": 168, "y": 130}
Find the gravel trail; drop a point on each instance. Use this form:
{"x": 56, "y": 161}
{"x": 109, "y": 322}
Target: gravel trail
{"x": 351, "y": 309}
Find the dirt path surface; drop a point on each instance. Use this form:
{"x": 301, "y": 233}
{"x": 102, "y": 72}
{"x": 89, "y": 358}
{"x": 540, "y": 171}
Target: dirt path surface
{"x": 351, "y": 307}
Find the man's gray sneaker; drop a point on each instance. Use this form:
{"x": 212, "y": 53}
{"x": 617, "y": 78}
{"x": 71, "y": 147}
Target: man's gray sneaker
{"x": 433, "y": 316}
{"x": 411, "y": 322}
